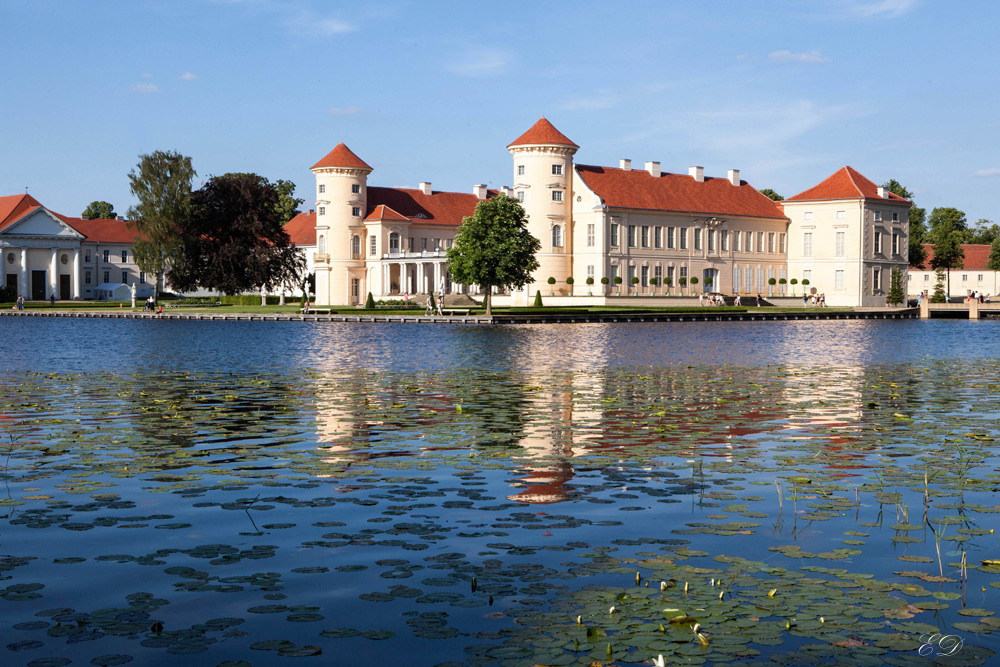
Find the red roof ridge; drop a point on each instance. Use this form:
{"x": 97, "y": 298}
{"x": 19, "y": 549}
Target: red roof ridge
{"x": 342, "y": 156}
{"x": 385, "y": 213}
{"x": 542, "y": 132}
{"x": 845, "y": 183}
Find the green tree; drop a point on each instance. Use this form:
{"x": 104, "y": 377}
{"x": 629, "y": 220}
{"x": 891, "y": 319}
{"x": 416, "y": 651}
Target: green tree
{"x": 493, "y": 248}
{"x": 939, "y": 295}
{"x": 233, "y": 241}
{"x": 948, "y": 228}
{"x": 983, "y": 232}
{"x": 772, "y": 195}
{"x": 538, "y": 299}
{"x": 896, "y": 295}
{"x": 99, "y": 210}
{"x": 917, "y": 228}
{"x": 162, "y": 184}
{"x": 370, "y": 302}
{"x": 287, "y": 206}
{"x": 993, "y": 263}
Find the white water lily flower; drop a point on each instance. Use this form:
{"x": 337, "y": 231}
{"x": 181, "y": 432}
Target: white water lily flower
{"x": 658, "y": 661}
{"x": 612, "y": 610}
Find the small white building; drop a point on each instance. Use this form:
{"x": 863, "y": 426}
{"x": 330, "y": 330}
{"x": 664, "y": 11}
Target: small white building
{"x": 974, "y": 276}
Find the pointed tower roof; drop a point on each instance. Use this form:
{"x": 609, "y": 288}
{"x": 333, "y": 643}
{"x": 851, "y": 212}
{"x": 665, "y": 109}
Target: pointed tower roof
{"x": 383, "y": 212}
{"x": 542, "y": 132}
{"x": 845, "y": 183}
{"x": 342, "y": 156}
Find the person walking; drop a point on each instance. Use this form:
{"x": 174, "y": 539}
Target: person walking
{"x": 428, "y": 310}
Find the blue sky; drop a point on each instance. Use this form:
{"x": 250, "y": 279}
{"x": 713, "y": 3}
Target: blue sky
{"x": 785, "y": 91}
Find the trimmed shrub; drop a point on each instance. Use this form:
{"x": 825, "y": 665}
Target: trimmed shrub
{"x": 538, "y": 300}
{"x": 370, "y": 302}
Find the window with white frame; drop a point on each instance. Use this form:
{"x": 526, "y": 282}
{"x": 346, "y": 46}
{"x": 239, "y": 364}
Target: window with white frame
{"x": 557, "y": 170}
{"x": 355, "y": 245}
{"x": 736, "y": 278}
{"x": 322, "y": 244}
{"x": 723, "y": 240}
{"x": 520, "y": 170}
{"x": 748, "y": 274}
{"x": 682, "y": 236}
{"x": 770, "y": 242}
{"x": 657, "y": 237}
{"x": 683, "y": 273}
{"x": 142, "y": 277}
{"x": 877, "y": 279}
{"x": 711, "y": 239}
{"x": 86, "y": 278}
{"x": 590, "y": 234}
{"x": 322, "y": 210}
{"x": 355, "y": 188}
{"x": 736, "y": 241}
{"x": 356, "y": 211}
{"x": 841, "y": 215}
{"x": 658, "y": 274}
{"x": 878, "y": 215}
{"x": 124, "y": 256}
{"x": 749, "y": 242}
{"x": 557, "y": 195}
{"x": 423, "y": 244}
{"x": 124, "y": 276}
{"x": 807, "y": 244}
{"x": 631, "y": 236}
{"x": 838, "y": 279}
{"x": 760, "y": 241}
{"x": 840, "y": 244}
{"x": 86, "y": 256}
{"x": 557, "y": 236}
{"x": 394, "y": 242}
{"x": 670, "y": 238}
{"x": 670, "y": 274}
{"x": 877, "y": 241}
{"x": 760, "y": 280}
{"x": 322, "y": 188}
{"x": 697, "y": 238}
{"x": 520, "y": 196}
{"x": 979, "y": 277}
{"x": 590, "y": 270}
{"x": 373, "y": 246}
{"x": 895, "y": 243}
{"x": 781, "y": 242}
{"x": 645, "y": 236}
{"x": 107, "y": 257}
{"x": 808, "y": 215}
{"x": 644, "y": 279}
{"x": 965, "y": 278}
{"x": 614, "y": 235}
{"x": 107, "y": 277}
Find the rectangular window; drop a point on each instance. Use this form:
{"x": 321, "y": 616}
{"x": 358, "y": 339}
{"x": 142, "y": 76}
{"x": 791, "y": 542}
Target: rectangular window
{"x": 437, "y": 244}
{"x": 590, "y": 270}
{"x": 142, "y": 277}
{"x": 749, "y": 242}
{"x": 760, "y": 280}
{"x": 838, "y": 279}
{"x": 645, "y": 276}
{"x": 557, "y": 170}
{"x": 807, "y": 244}
{"x": 124, "y": 276}
{"x": 965, "y": 278}
{"x": 877, "y": 279}
{"x": 411, "y": 246}
{"x": 373, "y": 246}
{"x": 723, "y": 240}
{"x": 878, "y": 242}
{"x": 770, "y": 241}
{"x": 614, "y": 234}
{"x": 356, "y": 211}
{"x": 557, "y": 195}
{"x": 355, "y": 188}
{"x": 841, "y": 215}
{"x": 760, "y": 241}
{"x": 423, "y": 244}
{"x": 979, "y": 277}
{"x": 808, "y": 215}
{"x": 840, "y": 247}
{"x": 781, "y": 243}
{"x": 682, "y": 233}
{"x": 631, "y": 274}
{"x": 449, "y": 243}
{"x": 107, "y": 277}
{"x": 520, "y": 170}
{"x": 322, "y": 210}
{"x": 748, "y": 284}
{"x": 124, "y": 256}
{"x": 697, "y": 238}
{"x": 520, "y": 196}
{"x": 895, "y": 216}
{"x": 631, "y": 236}
{"x": 736, "y": 241}
{"x": 657, "y": 237}
{"x": 590, "y": 234}
{"x": 670, "y": 238}
{"x": 645, "y": 236}
{"x": 86, "y": 277}
{"x": 670, "y": 274}
{"x": 711, "y": 240}
{"x": 895, "y": 243}
{"x": 684, "y": 272}
{"x": 658, "y": 273}
{"x": 107, "y": 257}
{"x": 614, "y": 273}
{"x": 878, "y": 215}
{"x": 807, "y": 275}
{"x": 86, "y": 256}
{"x": 927, "y": 277}
{"x": 736, "y": 279}
{"x": 322, "y": 188}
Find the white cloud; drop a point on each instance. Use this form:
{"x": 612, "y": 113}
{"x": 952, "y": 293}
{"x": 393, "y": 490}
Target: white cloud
{"x": 188, "y": 76}
{"x": 143, "y": 88}
{"x": 602, "y": 99}
{"x": 147, "y": 75}
{"x": 874, "y": 9}
{"x": 345, "y": 111}
{"x": 988, "y": 172}
{"x": 811, "y": 57}
{"x": 766, "y": 125}
{"x": 481, "y": 62}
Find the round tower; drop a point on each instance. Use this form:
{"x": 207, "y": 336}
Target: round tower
{"x": 341, "y": 196}
{"x": 543, "y": 182}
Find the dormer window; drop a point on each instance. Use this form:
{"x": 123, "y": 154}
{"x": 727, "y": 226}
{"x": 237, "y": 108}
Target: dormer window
{"x": 557, "y": 170}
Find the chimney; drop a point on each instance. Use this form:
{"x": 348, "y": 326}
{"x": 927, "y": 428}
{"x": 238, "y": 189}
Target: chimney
{"x": 120, "y": 219}
{"x": 425, "y": 187}
{"x": 84, "y": 216}
{"x": 507, "y": 191}
{"x": 311, "y": 211}
{"x": 479, "y": 190}
{"x": 697, "y": 173}
{"x": 734, "y": 177}
{"x": 882, "y": 193}
{"x": 653, "y": 168}
{"x": 626, "y": 165}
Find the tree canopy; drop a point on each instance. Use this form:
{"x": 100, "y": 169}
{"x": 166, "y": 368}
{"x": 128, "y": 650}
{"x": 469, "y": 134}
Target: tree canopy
{"x": 993, "y": 263}
{"x": 917, "y": 230}
{"x": 233, "y": 240}
{"x": 493, "y": 247}
{"x": 288, "y": 205}
{"x": 162, "y": 184}
{"x": 948, "y": 227}
{"x": 771, "y": 194}
{"x": 99, "y": 210}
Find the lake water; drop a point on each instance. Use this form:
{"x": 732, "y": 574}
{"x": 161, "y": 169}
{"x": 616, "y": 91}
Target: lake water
{"x": 235, "y": 493}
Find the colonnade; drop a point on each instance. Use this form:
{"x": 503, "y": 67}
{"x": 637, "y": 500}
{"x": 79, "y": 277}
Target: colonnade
{"x": 52, "y": 271}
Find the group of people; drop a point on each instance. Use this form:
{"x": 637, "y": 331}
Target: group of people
{"x": 19, "y": 304}
{"x": 714, "y": 300}
{"x": 816, "y": 299}
{"x": 979, "y": 296}
{"x": 429, "y": 308}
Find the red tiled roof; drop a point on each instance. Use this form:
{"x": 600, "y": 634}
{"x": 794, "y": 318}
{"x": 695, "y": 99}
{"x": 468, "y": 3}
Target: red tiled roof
{"x": 302, "y": 229}
{"x": 437, "y": 208}
{"x": 637, "y": 189}
{"x": 542, "y": 132}
{"x": 977, "y": 256}
{"x": 845, "y": 183}
{"x": 383, "y": 212}
{"x": 101, "y": 230}
{"x": 342, "y": 156}
{"x": 15, "y": 207}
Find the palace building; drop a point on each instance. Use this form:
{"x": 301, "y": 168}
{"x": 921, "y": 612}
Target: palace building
{"x": 659, "y": 232}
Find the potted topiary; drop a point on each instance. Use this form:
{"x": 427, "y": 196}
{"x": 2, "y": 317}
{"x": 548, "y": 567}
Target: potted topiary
{"x": 552, "y": 281}
{"x": 782, "y": 282}
{"x": 653, "y": 282}
{"x": 682, "y": 281}
{"x": 669, "y": 282}
{"x": 635, "y": 283}
{"x": 771, "y": 282}
{"x": 569, "y": 281}
{"x": 694, "y": 283}
{"x": 708, "y": 284}
{"x": 794, "y": 282}
{"x": 618, "y": 284}
{"x": 590, "y": 286}
{"x": 805, "y": 284}
{"x": 604, "y": 281}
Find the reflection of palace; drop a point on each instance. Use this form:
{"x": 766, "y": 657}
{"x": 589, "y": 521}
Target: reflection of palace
{"x": 845, "y": 235}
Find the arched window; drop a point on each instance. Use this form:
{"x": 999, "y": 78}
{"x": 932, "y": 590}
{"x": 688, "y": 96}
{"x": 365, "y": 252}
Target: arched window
{"x": 556, "y": 236}
{"x": 355, "y": 245}
{"x": 322, "y": 244}
{"x": 393, "y": 242}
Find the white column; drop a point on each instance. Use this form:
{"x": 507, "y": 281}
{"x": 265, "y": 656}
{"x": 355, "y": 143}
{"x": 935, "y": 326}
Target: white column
{"x": 76, "y": 273}
{"x": 437, "y": 276}
{"x": 53, "y": 273}
{"x": 23, "y": 287}
{"x": 420, "y": 277}
{"x": 385, "y": 278}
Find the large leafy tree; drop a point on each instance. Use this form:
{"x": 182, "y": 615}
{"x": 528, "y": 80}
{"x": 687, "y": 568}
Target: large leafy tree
{"x": 948, "y": 227}
{"x": 772, "y": 195}
{"x": 983, "y": 232}
{"x": 234, "y": 241}
{"x": 162, "y": 184}
{"x": 917, "y": 228}
{"x": 493, "y": 248}
{"x": 99, "y": 210}
{"x": 993, "y": 263}
{"x": 287, "y": 206}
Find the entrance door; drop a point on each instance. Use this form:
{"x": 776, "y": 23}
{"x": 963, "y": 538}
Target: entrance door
{"x": 64, "y": 287}
{"x": 12, "y": 282}
{"x": 38, "y": 285}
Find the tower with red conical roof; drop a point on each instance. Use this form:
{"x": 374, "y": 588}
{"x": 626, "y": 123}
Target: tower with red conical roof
{"x": 341, "y": 184}
{"x": 543, "y": 182}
